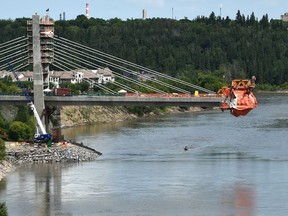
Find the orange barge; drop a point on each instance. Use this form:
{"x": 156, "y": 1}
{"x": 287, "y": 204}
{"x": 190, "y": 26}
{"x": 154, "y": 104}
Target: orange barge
{"x": 239, "y": 98}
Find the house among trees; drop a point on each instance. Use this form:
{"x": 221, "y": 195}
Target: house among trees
{"x": 100, "y": 76}
{"x": 147, "y": 76}
{"x": 3, "y": 74}
{"x": 105, "y": 75}
{"x": 284, "y": 17}
{"x": 143, "y": 76}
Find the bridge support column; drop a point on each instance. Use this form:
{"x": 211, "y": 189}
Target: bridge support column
{"x": 37, "y": 67}
{"x": 56, "y": 132}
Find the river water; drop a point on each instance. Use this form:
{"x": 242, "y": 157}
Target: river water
{"x": 234, "y": 166}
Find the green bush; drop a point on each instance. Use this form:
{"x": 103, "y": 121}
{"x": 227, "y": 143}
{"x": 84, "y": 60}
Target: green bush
{"x": 22, "y": 114}
{"x": 3, "y": 122}
{"x": 142, "y": 110}
{"x": 19, "y": 131}
{"x": 2, "y": 150}
{"x": 3, "y": 209}
{"x": 267, "y": 87}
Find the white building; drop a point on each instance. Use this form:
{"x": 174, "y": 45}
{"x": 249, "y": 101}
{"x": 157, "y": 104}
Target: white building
{"x": 284, "y": 17}
{"x": 104, "y": 75}
{"x": 100, "y": 76}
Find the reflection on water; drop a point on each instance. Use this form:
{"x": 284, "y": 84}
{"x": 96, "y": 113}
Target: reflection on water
{"x": 277, "y": 123}
{"x": 3, "y": 184}
{"x": 73, "y": 132}
{"x": 240, "y": 201}
{"x": 234, "y": 166}
{"x": 36, "y": 186}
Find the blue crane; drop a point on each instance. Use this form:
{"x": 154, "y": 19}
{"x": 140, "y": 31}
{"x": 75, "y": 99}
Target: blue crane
{"x": 41, "y": 134}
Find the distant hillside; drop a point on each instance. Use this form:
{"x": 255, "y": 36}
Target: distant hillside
{"x": 185, "y": 49}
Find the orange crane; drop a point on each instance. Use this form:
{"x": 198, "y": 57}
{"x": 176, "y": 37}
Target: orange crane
{"x": 239, "y": 98}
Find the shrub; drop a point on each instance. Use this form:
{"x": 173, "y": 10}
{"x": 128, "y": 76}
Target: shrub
{"x": 2, "y": 150}
{"x": 19, "y": 131}
{"x": 3, "y": 209}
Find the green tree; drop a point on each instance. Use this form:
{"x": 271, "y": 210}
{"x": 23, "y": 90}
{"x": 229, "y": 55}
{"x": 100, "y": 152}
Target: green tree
{"x": 84, "y": 86}
{"x": 23, "y": 114}
{"x": 210, "y": 81}
{"x": 239, "y": 17}
{"x": 3, "y": 122}
{"x": 264, "y": 22}
{"x": 3, "y": 128}
{"x": 19, "y": 131}
{"x": 2, "y": 150}
{"x": 3, "y": 209}
{"x": 252, "y": 19}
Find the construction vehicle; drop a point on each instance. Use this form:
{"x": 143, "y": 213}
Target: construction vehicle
{"x": 239, "y": 98}
{"x": 41, "y": 135}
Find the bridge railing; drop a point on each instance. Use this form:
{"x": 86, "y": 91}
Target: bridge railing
{"x": 182, "y": 95}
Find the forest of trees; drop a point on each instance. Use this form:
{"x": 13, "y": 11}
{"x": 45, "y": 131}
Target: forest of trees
{"x": 186, "y": 49}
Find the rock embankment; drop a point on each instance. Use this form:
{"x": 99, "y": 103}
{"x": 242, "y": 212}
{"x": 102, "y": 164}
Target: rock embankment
{"x": 64, "y": 152}
{"x": 5, "y": 167}
{"x": 20, "y": 154}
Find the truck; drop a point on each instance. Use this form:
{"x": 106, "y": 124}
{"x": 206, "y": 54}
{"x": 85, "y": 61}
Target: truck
{"x": 62, "y": 92}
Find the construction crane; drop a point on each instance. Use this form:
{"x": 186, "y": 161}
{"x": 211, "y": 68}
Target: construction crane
{"x": 242, "y": 99}
{"x": 41, "y": 134}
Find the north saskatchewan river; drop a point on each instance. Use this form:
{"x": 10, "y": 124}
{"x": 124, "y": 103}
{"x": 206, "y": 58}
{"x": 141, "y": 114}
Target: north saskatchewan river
{"x": 234, "y": 167}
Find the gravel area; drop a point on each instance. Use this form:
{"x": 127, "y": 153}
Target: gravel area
{"x": 25, "y": 153}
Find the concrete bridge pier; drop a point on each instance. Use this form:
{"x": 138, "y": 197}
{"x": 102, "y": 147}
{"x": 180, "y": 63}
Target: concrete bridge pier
{"x": 37, "y": 67}
{"x": 41, "y": 60}
{"x": 53, "y": 115}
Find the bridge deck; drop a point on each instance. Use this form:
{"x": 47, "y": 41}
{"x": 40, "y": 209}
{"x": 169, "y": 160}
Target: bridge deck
{"x": 208, "y": 101}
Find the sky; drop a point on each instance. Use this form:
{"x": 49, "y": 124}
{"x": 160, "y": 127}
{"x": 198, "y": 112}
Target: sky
{"x": 132, "y": 9}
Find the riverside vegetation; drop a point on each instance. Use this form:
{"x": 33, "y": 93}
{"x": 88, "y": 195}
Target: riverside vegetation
{"x": 206, "y": 51}
{"x": 3, "y": 208}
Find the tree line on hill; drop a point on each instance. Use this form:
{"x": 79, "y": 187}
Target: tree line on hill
{"x": 186, "y": 49}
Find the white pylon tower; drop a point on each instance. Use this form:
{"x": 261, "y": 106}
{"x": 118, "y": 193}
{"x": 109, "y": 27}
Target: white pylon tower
{"x": 87, "y": 11}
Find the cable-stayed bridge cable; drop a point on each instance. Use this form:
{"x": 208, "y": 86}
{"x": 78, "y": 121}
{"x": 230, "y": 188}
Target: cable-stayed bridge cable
{"x": 138, "y": 66}
{"x": 60, "y": 50}
{"x": 123, "y": 69}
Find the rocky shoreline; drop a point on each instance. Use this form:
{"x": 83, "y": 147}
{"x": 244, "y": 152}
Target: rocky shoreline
{"x": 21, "y": 154}
{"x": 24, "y": 153}
{"x": 5, "y": 167}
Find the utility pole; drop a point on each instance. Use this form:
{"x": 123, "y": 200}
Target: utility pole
{"x": 221, "y": 11}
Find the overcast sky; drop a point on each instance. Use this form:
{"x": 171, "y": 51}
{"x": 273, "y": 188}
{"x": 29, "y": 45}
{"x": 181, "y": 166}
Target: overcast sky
{"x": 132, "y": 9}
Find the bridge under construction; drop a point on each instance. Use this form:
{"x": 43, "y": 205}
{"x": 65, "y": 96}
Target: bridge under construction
{"x": 43, "y": 49}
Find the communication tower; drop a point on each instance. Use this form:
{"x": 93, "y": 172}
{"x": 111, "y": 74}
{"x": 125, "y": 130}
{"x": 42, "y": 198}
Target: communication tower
{"x": 144, "y": 14}
{"x": 87, "y": 11}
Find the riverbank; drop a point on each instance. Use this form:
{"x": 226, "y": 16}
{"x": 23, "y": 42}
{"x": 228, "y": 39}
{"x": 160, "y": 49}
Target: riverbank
{"x": 6, "y": 167}
{"x": 72, "y": 116}
{"x": 22, "y": 153}
{"x": 271, "y": 92}
{"x": 18, "y": 154}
